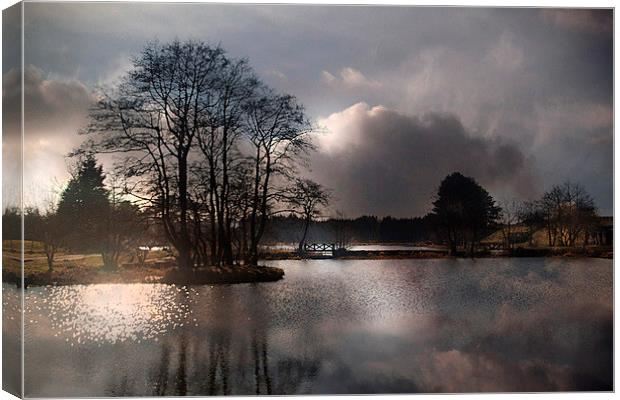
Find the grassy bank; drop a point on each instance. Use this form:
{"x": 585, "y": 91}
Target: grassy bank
{"x": 74, "y": 269}
{"x": 83, "y": 275}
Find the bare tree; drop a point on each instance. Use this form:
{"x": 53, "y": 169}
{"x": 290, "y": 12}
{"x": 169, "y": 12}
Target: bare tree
{"x": 278, "y": 131}
{"x": 125, "y": 227}
{"x": 306, "y": 198}
{"x": 569, "y": 213}
{"x": 43, "y": 226}
{"x": 551, "y": 209}
{"x": 152, "y": 118}
{"x": 50, "y": 232}
{"x": 579, "y": 213}
{"x": 204, "y": 144}
{"x": 508, "y": 219}
{"x": 218, "y": 141}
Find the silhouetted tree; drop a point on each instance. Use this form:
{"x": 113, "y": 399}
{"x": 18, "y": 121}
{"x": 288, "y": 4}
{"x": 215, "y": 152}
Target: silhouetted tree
{"x": 49, "y": 231}
{"x": 569, "y": 213}
{"x": 11, "y": 226}
{"x": 84, "y": 207}
{"x": 218, "y": 140}
{"x": 463, "y": 211}
{"x": 50, "y": 234}
{"x": 87, "y": 220}
{"x": 551, "y": 209}
{"x": 340, "y": 229}
{"x": 306, "y": 198}
{"x": 153, "y": 118}
{"x": 202, "y": 141}
{"x": 124, "y": 230}
{"x": 278, "y": 129}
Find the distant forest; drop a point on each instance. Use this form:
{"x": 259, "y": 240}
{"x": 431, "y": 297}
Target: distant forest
{"x": 365, "y": 229}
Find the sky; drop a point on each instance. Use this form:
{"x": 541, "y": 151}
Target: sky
{"x": 520, "y": 99}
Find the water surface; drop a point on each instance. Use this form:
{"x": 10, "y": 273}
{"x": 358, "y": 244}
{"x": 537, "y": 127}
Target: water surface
{"x": 331, "y": 326}
{"x": 362, "y": 247}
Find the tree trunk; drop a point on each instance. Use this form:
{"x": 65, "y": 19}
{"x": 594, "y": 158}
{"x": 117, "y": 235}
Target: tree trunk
{"x": 183, "y": 247}
{"x": 303, "y": 237}
{"x": 453, "y": 249}
{"x": 49, "y": 254}
{"x": 109, "y": 261}
{"x": 253, "y": 256}
{"x": 263, "y": 213}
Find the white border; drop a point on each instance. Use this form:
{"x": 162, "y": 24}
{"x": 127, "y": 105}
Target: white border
{"x": 476, "y": 3}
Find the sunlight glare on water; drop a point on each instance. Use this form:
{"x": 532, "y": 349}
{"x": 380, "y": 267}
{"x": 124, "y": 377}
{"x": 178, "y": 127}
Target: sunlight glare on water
{"x": 111, "y": 312}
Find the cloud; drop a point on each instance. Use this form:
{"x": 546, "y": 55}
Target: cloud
{"x": 511, "y": 74}
{"x": 278, "y": 75}
{"x": 382, "y": 162}
{"x": 563, "y": 117}
{"x": 51, "y": 105}
{"x": 506, "y": 53}
{"x": 581, "y": 20}
{"x": 350, "y": 79}
{"x": 54, "y": 110}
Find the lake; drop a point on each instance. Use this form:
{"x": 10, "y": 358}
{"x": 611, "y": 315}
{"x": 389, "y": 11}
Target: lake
{"x": 331, "y": 326}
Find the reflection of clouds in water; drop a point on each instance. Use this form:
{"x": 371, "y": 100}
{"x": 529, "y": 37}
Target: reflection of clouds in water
{"x": 530, "y": 319}
{"x": 380, "y": 326}
{"x": 475, "y": 372}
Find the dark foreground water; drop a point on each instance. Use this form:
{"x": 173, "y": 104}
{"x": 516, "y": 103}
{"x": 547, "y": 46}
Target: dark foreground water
{"x": 330, "y": 326}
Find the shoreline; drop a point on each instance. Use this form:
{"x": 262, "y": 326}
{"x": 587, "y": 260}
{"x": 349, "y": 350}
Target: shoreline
{"x": 198, "y": 276}
{"x": 169, "y": 274}
{"x": 441, "y": 253}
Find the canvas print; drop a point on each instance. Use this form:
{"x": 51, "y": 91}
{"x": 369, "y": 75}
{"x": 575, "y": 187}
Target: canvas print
{"x": 250, "y": 199}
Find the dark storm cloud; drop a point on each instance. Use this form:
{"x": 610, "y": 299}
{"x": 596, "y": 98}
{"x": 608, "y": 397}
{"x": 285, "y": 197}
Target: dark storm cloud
{"x": 539, "y": 79}
{"x": 382, "y": 162}
{"x": 51, "y": 106}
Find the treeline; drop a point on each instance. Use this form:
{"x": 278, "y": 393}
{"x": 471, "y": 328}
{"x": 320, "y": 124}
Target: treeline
{"x": 89, "y": 217}
{"x": 566, "y": 212}
{"x": 344, "y": 231}
{"x": 463, "y": 214}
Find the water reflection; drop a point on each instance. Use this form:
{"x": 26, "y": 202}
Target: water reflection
{"x": 332, "y": 327}
{"x": 108, "y": 313}
{"x": 11, "y": 341}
